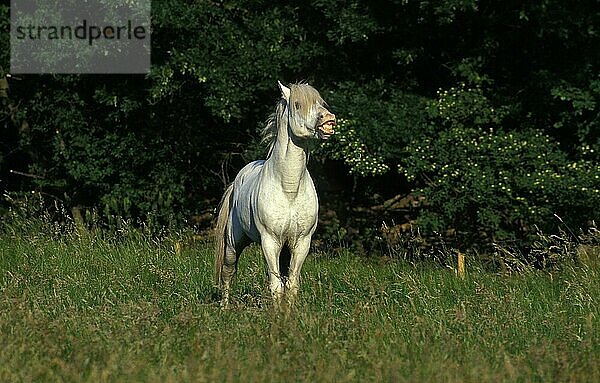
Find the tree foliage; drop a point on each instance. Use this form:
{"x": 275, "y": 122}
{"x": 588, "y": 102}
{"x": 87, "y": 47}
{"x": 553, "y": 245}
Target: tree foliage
{"x": 487, "y": 109}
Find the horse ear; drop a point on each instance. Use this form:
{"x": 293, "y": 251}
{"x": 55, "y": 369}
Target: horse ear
{"x": 285, "y": 91}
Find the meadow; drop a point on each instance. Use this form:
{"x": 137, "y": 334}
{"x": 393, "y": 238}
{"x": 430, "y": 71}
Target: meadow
{"x": 133, "y": 307}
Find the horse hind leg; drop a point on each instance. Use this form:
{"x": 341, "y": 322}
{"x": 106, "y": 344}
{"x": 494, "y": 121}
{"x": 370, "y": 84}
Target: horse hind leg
{"x": 228, "y": 272}
{"x": 284, "y": 263}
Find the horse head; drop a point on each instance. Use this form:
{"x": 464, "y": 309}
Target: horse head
{"x": 307, "y": 113}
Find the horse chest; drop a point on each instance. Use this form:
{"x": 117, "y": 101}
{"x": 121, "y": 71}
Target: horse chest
{"x": 289, "y": 217}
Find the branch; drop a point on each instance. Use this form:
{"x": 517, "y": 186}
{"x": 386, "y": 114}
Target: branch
{"x": 27, "y": 174}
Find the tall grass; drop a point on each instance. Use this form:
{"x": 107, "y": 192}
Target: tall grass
{"x": 128, "y": 306}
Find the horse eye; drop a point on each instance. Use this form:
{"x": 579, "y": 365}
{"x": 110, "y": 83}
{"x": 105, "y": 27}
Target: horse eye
{"x": 297, "y": 105}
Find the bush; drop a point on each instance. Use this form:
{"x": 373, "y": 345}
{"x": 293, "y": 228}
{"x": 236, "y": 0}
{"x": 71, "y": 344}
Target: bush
{"x": 492, "y": 183}
{"x": 376, "y": 121}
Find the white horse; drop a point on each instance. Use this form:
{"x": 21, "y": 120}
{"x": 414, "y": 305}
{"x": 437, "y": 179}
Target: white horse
{"x": 274, "y": 201}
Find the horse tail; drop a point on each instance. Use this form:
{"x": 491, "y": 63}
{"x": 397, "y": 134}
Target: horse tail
{"x": 220, "y": 229}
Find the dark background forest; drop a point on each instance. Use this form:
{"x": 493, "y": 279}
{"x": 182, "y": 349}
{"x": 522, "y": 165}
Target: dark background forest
{"x": 472, "y": 121}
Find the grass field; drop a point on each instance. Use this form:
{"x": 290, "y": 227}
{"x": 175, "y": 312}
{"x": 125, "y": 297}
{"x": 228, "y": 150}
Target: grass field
{"x": 99, "y": 308}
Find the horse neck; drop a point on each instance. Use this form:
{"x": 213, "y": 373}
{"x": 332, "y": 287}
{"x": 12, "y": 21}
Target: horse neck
{"x": 288, "y": 159}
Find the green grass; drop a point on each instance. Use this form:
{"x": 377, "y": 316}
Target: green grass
{"x": 99, "y": 308}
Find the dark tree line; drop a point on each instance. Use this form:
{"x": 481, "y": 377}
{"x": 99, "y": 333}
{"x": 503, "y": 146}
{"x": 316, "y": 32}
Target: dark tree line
{"x": 478, "y": 118}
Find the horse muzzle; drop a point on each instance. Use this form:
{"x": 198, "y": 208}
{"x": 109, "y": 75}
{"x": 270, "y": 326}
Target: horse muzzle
{"x": 326, "y": 129}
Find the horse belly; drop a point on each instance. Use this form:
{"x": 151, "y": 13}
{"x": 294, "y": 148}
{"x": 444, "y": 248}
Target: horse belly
{"x": 245, "y": 199}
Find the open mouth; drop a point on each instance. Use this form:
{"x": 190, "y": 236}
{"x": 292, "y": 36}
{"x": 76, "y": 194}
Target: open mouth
{"x": 326, "y": 130}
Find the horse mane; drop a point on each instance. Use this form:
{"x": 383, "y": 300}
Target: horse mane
{"x": 269, "y": 132}
{"x": 303, "y": 94}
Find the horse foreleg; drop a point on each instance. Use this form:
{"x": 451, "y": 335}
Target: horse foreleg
{"x": 271, "y": 249}
{"x": 299, "y": 253}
